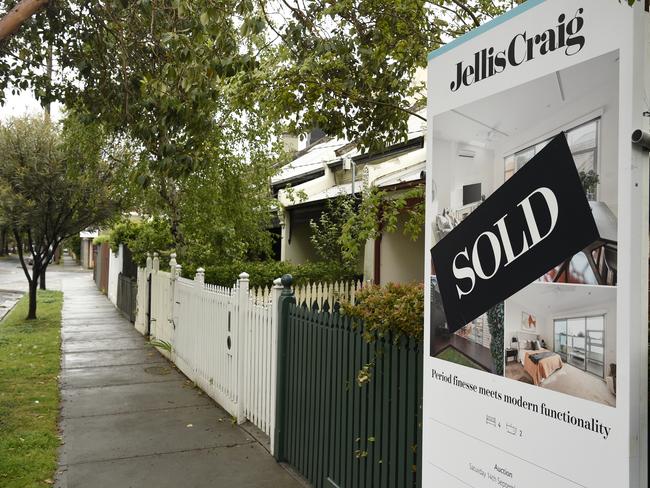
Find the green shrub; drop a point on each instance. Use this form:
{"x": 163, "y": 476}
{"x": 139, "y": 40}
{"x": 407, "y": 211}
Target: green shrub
{"x": 143, "y": 237}
{"x": 324, "y": 272}
{"x": 262, "y": 273}
{"x": 123, "y": 233}
{"x": 99, "y": 240}
{"x": 393, "y": 308}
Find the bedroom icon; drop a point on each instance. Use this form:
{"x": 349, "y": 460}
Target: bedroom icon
{"x": 511, "y": 429}
{"x": 491, "y": 420}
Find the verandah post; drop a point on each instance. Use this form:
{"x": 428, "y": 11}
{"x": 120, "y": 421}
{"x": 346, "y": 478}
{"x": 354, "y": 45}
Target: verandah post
{"x": 241, "y": 345}
{"x": 286, "y": 298}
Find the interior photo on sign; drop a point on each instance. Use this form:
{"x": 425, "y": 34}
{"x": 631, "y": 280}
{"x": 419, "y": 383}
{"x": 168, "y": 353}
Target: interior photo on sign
{"x": 478, "y": 147}
{"x": 570, "y": 344}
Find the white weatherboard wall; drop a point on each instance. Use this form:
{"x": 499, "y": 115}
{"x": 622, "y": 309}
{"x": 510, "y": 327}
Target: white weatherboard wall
{"x": 461, "y": 447}
{"x": 115, "y": 264}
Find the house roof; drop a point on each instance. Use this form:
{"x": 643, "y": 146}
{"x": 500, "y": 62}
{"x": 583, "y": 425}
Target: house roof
{"x": 309, "y": 164}
{"x": 402, "y": 170}
{"x": 392, "y": 151}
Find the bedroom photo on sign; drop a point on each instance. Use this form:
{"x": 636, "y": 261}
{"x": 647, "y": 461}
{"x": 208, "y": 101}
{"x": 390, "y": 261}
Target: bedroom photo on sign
{"x": 534, "y": 295}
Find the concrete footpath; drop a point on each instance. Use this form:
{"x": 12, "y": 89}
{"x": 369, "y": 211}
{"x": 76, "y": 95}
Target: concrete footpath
{"x": 129, "y": 419}
{"x": 8, "y": 300}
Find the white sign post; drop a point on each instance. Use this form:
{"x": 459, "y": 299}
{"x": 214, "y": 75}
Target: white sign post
{"x": 546, "y": 387}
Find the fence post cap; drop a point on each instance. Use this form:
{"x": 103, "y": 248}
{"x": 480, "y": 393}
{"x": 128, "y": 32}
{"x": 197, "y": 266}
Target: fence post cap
{"x": 286, "y": 280}
{"x": 199, "y": 277}
{"x": 155, "y": 255}
{"x": 172, "y": 255}
{"x": 179, "y": 268}
{"x": 277, "y": 282}
{"x": 244, "y": 276}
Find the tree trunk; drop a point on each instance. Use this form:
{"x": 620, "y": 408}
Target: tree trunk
{"x": 13, "y": 19}
{"x": 176, "y": 233}
{"x": 48, "y": 105}
{"x": 42, "y": 280}
{"x": 3, "y": 241}
{"x": 33, "y": 289}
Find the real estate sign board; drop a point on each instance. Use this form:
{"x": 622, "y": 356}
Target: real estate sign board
{"x": 535, "y": 368}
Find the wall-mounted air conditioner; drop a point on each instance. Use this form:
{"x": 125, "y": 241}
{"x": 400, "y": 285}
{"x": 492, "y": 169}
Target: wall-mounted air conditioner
{"x": 466, "y": 153}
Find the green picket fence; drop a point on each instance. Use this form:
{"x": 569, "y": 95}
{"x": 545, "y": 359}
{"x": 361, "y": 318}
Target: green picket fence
{"x": 333, "y": 431}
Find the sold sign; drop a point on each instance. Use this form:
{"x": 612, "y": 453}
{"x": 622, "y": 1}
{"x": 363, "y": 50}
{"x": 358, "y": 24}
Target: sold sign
{"x": 537, "y": 219}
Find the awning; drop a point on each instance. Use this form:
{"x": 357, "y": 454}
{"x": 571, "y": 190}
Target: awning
{"x": 407, "y": 175}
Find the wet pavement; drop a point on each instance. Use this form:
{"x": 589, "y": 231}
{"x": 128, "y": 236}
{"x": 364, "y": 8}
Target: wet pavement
{"x": 129, "y": 419}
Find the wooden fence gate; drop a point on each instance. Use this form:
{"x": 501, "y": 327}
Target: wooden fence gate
{"x": 100, "y": 272}
{"x": 127, "y": 285}
{"x": 334, "y": 431}
{"x": 127, "y": 291}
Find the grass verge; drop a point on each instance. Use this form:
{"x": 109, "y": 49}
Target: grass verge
{"x": 30, "y": 354}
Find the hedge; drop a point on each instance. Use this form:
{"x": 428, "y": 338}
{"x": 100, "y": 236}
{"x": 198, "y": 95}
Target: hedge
{"x": 262, "y": 273}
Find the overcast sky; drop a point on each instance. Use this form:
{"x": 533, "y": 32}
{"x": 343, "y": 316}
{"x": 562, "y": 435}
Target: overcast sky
{"x": 22, "y": 104}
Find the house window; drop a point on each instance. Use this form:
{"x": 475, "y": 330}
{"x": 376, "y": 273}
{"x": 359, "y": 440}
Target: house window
{"x": 583, "y": 142}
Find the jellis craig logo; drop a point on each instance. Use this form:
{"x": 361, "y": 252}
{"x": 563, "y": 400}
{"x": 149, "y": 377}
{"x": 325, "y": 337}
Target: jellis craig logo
{"x": 522, "y": 48}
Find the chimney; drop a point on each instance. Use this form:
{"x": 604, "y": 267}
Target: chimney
{"x": 290, "y": 143}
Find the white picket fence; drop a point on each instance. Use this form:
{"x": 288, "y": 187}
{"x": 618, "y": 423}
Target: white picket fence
{"x": 141, "y": 312}
{"x": 260, "y": 329}
{"x": 318, "y": 293}
{"x": 224, "y": 339}
{"x": 206, "y": 340}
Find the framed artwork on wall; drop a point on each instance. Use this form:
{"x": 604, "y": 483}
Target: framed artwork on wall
{"x": 528, "y": 322}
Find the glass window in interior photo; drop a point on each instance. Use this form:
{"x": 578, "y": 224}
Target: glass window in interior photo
{"x": 583, "y": 141}
{"x": 580, "y": 341}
